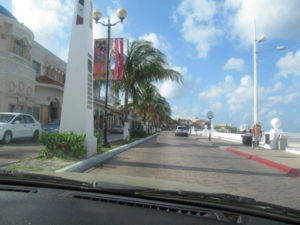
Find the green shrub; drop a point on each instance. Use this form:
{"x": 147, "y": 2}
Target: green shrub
{"x": 62, "y": 145}
{"x": 138, "y": 134}
{"x": 99, "y": 141}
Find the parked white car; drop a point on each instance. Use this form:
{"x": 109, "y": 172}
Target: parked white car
{"x": 18, "y": 125}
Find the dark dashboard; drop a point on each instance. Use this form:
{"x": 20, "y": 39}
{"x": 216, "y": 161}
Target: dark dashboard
{"x": 40, "y": 205}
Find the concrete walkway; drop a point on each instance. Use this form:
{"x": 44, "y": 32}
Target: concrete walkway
{"x": 280, "y": 157}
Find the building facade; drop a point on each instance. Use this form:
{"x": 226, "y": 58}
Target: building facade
{"x": 32, "y": 78}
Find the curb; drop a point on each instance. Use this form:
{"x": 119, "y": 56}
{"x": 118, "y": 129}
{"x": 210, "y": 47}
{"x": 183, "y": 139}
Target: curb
{"x": 100, "y": 158}
{"x": 283, "y": 168}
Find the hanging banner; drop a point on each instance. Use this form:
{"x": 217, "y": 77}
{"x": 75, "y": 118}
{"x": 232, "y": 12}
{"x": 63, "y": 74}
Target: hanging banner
{"x": 100, "y": 54}
{"x": 151, "y": 110}
{"x": 116, "y": 59}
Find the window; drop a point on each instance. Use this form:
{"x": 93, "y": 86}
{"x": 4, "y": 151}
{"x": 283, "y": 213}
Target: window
{"x": 36, "y": 67}
{"x": 29, "y": 110}
{"x": 36, "y": 112}
{"x": 19, "y": 118}
{"x": 21, "y": 108}
{"x": 11, "y": 108}
{"x": 28, "y": 119}
{"x": 18, "y": 48}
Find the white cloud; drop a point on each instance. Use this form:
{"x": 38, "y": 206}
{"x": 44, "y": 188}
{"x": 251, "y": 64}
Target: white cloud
{"x": 289, "y": 64}
{"x": 198, "y": 25}
{"x": 49, "y": 20}
{"x": 218, "y": 90}
{"x": 204, "y": 22}
{"x": 240, "y": 95}
{"x": 234, "y": 64}
{"x": 158, "y": 41}
{"x": 281, "y": 99}
{"x": 171, "y": 89}
{"x": 198, "y": 80}
{"x": 274, "y": 19}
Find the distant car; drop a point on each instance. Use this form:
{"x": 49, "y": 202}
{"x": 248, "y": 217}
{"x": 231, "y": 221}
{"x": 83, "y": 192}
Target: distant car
{"x": 117, "y": 129}
{"x": 182, "y": 131}
{"x": 52, "y": 127}
{"x": 18, "y": 125}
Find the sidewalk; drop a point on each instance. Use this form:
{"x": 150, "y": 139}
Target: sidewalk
{"x": 281, "y": 160}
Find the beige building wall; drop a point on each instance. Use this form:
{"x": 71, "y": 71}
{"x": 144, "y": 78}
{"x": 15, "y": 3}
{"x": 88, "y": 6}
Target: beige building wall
{"x": 21, "y": 86}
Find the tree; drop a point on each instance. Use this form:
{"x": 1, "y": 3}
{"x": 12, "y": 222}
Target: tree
{"x": 143, "y": 65}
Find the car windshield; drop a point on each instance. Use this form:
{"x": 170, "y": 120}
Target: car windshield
{"x": 199, "y": 95}
{"x": 5, "y": 118}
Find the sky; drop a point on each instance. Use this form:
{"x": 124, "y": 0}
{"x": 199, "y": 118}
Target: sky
{"x": 209, "y": 42}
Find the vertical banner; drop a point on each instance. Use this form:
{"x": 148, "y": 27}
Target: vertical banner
{"x": 100, "y": 54}
{"x": 121, "y": 60}
{"x": 116, "y": 70}
{"x": 151, "y": 110}
{"x": 116, "y": 61}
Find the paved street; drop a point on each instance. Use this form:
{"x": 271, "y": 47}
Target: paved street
{"x": 199, "y": 162}
{"x": 18, "y": 150}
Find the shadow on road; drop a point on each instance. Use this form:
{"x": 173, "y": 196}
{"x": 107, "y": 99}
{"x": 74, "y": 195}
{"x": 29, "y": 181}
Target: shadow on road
{"x": 115, "y": 163}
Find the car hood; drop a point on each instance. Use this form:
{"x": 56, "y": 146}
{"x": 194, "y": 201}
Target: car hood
{"x": 133, "y": 181}
{"x": 3, "y": 124}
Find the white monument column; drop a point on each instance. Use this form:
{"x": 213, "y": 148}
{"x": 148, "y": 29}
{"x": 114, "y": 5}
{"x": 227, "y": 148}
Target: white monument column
{"x": 78, "y": 101}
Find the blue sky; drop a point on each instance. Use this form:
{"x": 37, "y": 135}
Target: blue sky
{"x": 209, "y": 42}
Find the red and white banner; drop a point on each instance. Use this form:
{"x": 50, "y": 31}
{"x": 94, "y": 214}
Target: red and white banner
{"x": 119, "y": 58}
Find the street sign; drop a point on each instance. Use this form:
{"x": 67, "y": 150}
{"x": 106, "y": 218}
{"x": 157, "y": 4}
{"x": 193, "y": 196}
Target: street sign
{"x": 210, "y": 115}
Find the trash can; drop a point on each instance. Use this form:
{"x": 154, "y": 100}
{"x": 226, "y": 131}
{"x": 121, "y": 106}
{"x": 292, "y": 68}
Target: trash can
{"x": 247, "y": 139}
{"x": 282, "y": 142}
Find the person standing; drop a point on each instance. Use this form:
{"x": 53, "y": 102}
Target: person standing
{"x": 256, "y": 135}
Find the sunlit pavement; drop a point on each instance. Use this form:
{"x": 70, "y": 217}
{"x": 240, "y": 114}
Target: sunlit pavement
{"x": 197, "y": 161}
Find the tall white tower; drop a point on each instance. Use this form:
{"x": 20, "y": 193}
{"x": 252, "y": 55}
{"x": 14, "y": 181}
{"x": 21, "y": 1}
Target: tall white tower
{"x": 78, "y": 100}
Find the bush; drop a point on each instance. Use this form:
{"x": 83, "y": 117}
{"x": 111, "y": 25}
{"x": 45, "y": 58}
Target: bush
{"x": 138, "y": 133}
{"x": 62, "y": 145}
{"x": 99, "y": 141}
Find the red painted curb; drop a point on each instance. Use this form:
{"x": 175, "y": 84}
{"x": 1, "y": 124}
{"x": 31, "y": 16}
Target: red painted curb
{"x": 278, "y": 166}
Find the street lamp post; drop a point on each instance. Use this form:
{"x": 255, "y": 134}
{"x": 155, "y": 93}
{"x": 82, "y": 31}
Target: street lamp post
{"x": 261, "y": 39}
{"x": 121, "y": 13}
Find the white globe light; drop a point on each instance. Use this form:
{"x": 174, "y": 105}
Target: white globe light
{"x": 276, "y": 123}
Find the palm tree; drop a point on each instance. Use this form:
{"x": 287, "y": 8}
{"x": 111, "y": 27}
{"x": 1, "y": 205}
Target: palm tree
{"x": 143, "y": 65}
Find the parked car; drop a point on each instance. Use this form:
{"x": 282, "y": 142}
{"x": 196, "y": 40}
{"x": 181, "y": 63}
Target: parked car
{"x": 52, "y": 127}
{"x": 117, "y": 129}
{"x": 182, "y": 131}
{"x": 18, "y": 125}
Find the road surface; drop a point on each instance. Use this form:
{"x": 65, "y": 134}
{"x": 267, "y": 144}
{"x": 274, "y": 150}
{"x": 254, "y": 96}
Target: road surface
{"x": 188, "y": 160}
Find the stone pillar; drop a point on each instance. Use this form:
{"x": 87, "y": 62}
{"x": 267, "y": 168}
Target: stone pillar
{"x": 79, "y": 117}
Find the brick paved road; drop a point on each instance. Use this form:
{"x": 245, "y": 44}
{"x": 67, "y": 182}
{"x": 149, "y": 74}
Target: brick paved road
{"x": 187, "y": 160}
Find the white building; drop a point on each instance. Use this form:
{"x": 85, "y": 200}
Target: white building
{"x": 32, "y": 78}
